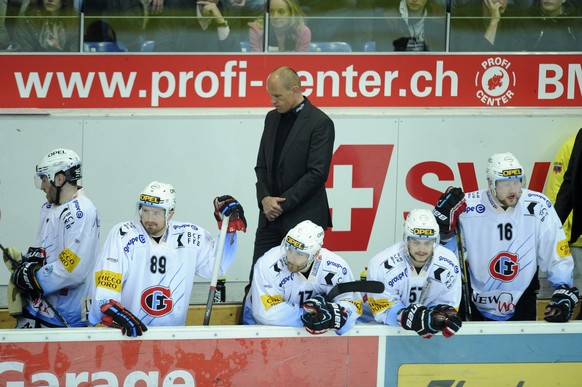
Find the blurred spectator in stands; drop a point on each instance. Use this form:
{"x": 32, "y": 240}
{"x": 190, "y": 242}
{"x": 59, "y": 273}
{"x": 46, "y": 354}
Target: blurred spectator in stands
{"x": 240, "y": 13}
{"x": 288, "y": 31}
{"x": 363, "y": 24}
{"x": 9, "y": 11}
{"x": 552, "y": 26}
{"x": 188, "y": 26}
{"x": 486, "y": 25}
{"x": 330, "y": 20}
{"x": 409, "y": 25}
{"x": 100, "y": 31}
{"x": 128, "y": 18}
{"x": 49, "y": 25}
{"x": 244, "y": 7}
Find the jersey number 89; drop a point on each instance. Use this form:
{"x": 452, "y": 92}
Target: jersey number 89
{"x": 158, "y": 265}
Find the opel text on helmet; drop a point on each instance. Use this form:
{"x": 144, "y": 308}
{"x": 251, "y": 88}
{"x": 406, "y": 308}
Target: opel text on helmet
{"x": 420, "y": 226}
{"x": 305, "y": 239}
{"x": 158, "y": 195}
{"x": 63, "y": 161}
{"x": 504, "y": 167}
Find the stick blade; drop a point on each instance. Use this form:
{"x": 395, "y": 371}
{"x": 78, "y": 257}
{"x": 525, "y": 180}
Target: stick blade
{"x": 355, "y": 286}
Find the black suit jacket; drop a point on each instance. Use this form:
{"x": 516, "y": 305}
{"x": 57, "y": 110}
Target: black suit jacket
{"x": 569, "y": 197}
{"x": 303, "y": 167}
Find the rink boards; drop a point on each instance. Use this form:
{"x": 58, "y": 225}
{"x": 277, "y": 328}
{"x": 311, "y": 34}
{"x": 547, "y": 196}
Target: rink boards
{"x": 508, "y": 354}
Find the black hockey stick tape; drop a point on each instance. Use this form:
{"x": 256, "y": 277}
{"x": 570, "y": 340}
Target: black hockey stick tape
{"x": 355, "y": 286}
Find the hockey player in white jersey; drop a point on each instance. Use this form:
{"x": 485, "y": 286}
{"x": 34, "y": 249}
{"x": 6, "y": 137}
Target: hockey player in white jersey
{"x": 290, "y": 283}
{"x": 421, "y": 278}
{"x": 509, "y": 232}
{"x": 55, "y": 275}
{"x": 146, "y": 269}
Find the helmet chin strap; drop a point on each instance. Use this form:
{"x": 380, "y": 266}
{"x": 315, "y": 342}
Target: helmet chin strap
{"x": 58, "y": 195}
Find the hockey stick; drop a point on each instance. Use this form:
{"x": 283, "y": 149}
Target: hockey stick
{"x": 214, "y": 278}
{"x": 355, "y": 286}
{"x": 41, "y": 296}
{"x": 465, "y": 284}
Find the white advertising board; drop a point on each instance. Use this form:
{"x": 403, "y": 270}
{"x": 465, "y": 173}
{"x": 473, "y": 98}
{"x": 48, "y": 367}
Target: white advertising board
{"x": 406, "y": 156}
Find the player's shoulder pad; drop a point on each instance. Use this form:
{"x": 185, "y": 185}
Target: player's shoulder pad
{"x": 536, "y": 197}
{"x": 446, "y": 257}
{"x": 83, "y": 209}
{"x": 176, "y": 227}
{"x": 271, "y": 261}
{"x": 474, "y": 195}
{"x": 537, "y": 205}
{"x": 476, "y": 203}
{"x": 70, "y": 214}
{"x": 332, "y": 262}
{"x": 389, "y": 258}
{"x": 123, "y": 229}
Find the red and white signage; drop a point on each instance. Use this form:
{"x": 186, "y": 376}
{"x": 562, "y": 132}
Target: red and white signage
{"x": 267, "y": 361}
{"x": 238, "y": 80}
{"x": 364, "y": 169}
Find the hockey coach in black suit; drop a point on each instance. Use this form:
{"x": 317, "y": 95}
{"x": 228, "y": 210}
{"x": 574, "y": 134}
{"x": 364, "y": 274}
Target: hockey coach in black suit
{"x": 293, "y": 163}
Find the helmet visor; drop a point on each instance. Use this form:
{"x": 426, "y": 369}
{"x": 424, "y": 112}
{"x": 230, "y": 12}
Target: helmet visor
{"x": 38, "y": 179}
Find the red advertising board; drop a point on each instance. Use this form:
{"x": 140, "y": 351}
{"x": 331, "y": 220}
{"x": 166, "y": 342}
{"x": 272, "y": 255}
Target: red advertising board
{"x": 238, "y": 80}
{"x": 307, "y": 361}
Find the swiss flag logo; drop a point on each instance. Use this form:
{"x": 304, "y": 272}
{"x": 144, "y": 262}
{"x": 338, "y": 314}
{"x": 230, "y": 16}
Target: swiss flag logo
{"x": 355, "y": 182}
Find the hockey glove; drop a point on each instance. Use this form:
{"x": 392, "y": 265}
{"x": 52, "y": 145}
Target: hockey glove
{"x": 424, "y": 321}
{"x": 452, "y": 322}
{"x": 320, "y": 315}
{"x": 561, "y": 305}
{"x": 23, "y": 277}
{"x": 226, "y": 205}
{"x": 447, "y": 210}
{"x": 117, "y": 316}
{"x": 35, "y": 254}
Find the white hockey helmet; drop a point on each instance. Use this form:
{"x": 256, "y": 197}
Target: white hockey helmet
{"x": 421, "y": 223}
{"x": 158, "y": 195}
{"x": 305, "y": 238}
{"x": 58, "y": 161}
{"x": 504, "y": 166}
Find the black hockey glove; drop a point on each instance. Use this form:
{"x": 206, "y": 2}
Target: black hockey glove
{"x": 424, "y": 321}
{"x": 561, "y": 305}
{"x": 320, "y": 315}
{"x": 35, "y": 254}
{"x": 23, "y": 277}
{"x": 117, "y": 316}
{"x": 447, "y": 210}
{"x": 226, "y": 205}
{"x": 452, "y": 322}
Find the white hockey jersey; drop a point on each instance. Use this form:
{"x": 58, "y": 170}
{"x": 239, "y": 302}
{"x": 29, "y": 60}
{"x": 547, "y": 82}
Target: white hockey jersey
{"x": 276, "y": 294}
{"x": 439, "y": 282}
{"x": 505, "y": 248}
{"x": 154, "y": 280}
{"x": 69, "y": 233}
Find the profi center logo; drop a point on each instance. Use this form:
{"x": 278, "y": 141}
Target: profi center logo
{"x": 495, "y": 83}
